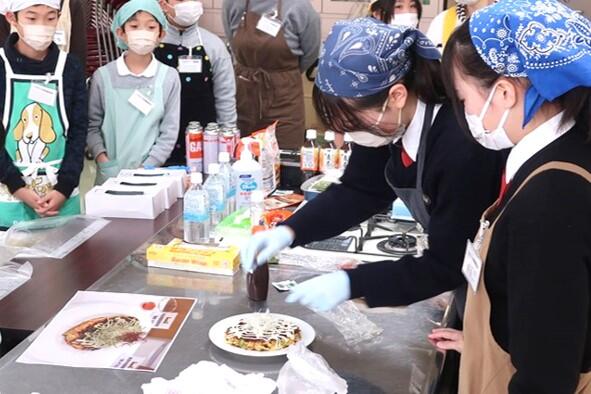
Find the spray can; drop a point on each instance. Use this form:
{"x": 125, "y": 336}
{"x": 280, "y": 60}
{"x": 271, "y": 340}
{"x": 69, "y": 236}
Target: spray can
{"x": 210, "y": 145}
{"x": 194, "y": 146}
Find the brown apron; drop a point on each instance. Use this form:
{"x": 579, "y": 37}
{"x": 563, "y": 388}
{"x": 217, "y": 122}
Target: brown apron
{"x": 268, "y": 82}
{"x": 485, "y": 367}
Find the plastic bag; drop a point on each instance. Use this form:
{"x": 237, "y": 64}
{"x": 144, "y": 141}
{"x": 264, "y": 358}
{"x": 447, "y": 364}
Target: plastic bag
{"x": 308, "y": 373}
{"x": 13, "y": 275}
{"x": 352, "y": 324}
{"x": 266, "y": 152}
{"x": 54, "y": 237}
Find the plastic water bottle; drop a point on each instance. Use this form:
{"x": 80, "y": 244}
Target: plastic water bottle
{"x": 229, "y": 182}
{"x": 196, "y": 211}
{"x": 248, "y": 175}
{"x": 214, "y": 185}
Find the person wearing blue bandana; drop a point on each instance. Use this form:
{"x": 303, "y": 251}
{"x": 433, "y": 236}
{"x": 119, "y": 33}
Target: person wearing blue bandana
{"x": 520, "y": 70}
{"x": 134, "y": 105}
{"x": 382, "y": 85}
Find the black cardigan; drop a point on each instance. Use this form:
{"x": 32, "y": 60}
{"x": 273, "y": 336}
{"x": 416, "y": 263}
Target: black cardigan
{"x": 460, "y": 178}
{"x": 76, "y": 102}
{"x": 538, "y": 272}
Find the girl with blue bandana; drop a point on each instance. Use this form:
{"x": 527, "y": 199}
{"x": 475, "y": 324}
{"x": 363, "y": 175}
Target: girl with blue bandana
{"x": 134, "y": 101}
{"x": 521, "y": 72}
{"x": 382, "y": 85}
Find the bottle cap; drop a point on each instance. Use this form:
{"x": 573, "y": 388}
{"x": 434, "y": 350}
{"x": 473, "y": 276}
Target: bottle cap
{"x": 311, "y": 134}
{"x": 214, "y": 168}
{"x": 257, "y": 196}
{"x": 329, "y": 135}
{"x": 224, "y": 157}
{"x": 196, "y": 178}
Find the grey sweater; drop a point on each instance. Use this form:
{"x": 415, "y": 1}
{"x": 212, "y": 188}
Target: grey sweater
{"x": 301, "y": 24}
{"x": 169, "y": 125}
{"x": 224, "y": 83}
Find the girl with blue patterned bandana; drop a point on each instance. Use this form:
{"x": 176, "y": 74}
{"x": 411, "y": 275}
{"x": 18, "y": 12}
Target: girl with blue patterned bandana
{"x": 521, "y": 72}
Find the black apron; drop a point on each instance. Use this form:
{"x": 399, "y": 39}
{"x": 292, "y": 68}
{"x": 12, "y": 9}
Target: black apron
{"x": 197, "y": 95}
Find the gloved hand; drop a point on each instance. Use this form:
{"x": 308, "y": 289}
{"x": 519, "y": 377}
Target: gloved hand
{"x": 262, "y": 246}
{"x": 322, "y": 293}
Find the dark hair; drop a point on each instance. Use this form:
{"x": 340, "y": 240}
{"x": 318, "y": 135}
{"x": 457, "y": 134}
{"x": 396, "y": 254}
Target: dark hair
{"x": 386, "y": 9}
{"x": 341, "y": 114}
{"x": 461, "y": 55}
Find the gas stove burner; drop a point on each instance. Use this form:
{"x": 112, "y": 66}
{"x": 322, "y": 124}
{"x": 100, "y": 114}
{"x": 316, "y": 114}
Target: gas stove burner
{"x": 399, "y": 244}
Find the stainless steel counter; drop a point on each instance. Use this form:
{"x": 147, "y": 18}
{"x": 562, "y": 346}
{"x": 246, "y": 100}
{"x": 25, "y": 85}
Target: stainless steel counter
{"x": 398, "y": 361}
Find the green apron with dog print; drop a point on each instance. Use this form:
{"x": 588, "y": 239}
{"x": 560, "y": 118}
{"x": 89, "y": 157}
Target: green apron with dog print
{"x": 36, "y": 127}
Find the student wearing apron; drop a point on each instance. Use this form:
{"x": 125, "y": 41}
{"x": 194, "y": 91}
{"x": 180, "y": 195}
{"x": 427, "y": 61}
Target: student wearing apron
{"x": 45, "y": 130}
{"x": 268, "y": 73}
{"x": 412, "y": 148}
{"x": 521, "y": 69}
{"x": 208, "y": 92}
{"x": 134, "y": 116}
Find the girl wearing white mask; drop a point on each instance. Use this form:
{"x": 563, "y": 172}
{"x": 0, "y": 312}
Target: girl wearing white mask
{"x": 43, "y": 130}
{"x": 397, "y": 12}
{"x": 444, "y": 24}
{"x": 208, "y": 92}
{"x": 412, "y": 148}
{"x": 135, "y": 100}
{"x": 530, "y": 259}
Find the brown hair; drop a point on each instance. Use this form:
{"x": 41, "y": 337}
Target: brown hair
{"x": 460, "y": 54}
{"x": 341, "y": 114}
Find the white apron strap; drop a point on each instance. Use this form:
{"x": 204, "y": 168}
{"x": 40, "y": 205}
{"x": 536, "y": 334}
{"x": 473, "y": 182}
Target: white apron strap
{"x": 8, "y": 93}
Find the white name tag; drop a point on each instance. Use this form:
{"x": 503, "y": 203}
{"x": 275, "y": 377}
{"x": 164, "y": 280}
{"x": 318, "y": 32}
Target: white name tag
{"x": 141, "y": 102}
{"x": 269, "y": 25}
{"x": 190, "y": 65}
{"x": 59, "y": 37}
{"x": 43, "y": 94}
{"x": 472, "y": 266}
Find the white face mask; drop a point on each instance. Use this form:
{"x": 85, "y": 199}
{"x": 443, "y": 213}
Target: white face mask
{"x": 496, "y": 139}
{"x": 141, "y": 42}
{"x": 188, "y": 13}
{"x": 410, "y": 19}
{"x": 467, "y": 2}
{"x": 365, "y": 138}
{"x": 38, "y": 37}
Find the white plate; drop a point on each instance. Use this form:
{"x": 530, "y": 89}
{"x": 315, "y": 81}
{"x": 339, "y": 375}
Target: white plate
{"x": 218, "y": 331}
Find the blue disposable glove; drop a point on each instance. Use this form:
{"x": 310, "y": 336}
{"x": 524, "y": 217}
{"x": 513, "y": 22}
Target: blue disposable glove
{"x": 262, "y": 246}
{"x": 322, "y": 293}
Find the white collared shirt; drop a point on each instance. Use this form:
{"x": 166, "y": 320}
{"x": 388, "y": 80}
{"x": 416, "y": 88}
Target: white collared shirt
{"x": 534, "y": 142}
{"x": 412, "y": 137}
{"x": 123, "y": 70}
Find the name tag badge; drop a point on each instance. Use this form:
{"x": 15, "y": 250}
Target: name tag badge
{"x": 190, "y": 65}
{"x": 141, "y": 102}
{"x": 43, "y": 94}
{"x": 59, "y": 37}
{"x": 472, "y": 266}
{"x": 269, "y": 24}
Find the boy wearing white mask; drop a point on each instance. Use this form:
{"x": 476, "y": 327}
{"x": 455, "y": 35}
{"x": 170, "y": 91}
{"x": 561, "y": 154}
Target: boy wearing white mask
{"x": 208, "y": 92}
{"x": 43, "y": 108}
{"x": 446, "y": 22}
{"x": 135, "y": 100}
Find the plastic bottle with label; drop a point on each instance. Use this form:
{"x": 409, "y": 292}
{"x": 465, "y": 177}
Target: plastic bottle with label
{"x": 196, "y": 211}
{"x": 248, "y": 176}
{"x": 229, "y": 182}
{"x": 329, "y": 154}
{"x": 214, "y": 185}
{"x": 309, "y": 155}
{"x": 346, "y": 152}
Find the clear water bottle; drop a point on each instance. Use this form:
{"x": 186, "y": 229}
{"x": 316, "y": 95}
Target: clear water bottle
{"x": 196, "y": 211}
{"x": 229, "y": 182}
{"x": 214, "y": 185}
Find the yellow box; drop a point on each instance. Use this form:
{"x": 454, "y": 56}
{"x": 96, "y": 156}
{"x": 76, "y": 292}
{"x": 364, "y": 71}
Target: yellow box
{"x": 197, "y": 258}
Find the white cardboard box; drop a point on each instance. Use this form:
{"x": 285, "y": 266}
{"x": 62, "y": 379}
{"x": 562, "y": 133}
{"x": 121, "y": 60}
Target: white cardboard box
{"x": 101, "y": 201}
{"x": 166, "y": 186}
{"x": 177, "y": 175}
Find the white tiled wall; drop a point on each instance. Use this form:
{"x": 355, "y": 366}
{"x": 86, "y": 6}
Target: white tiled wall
{"x": 330, "y": 11}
